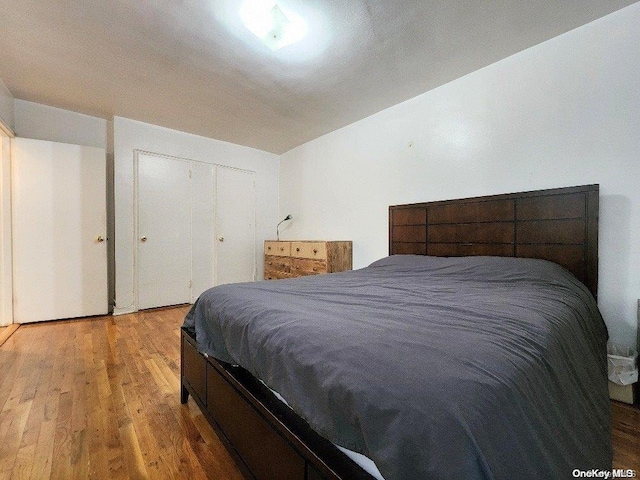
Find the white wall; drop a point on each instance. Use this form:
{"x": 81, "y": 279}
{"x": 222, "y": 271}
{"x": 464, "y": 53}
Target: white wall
{"x": 34, "y": 120}
{"x": 130, "y": 135}
{"x": 6, "y": 106}
{"x": 565, "y": 112}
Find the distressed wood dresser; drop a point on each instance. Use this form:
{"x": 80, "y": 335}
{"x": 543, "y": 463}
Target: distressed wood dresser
{"x": 290, "y": 259}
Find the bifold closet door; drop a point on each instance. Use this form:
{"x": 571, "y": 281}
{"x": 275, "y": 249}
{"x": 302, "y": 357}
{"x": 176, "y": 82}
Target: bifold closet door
{"x": 202, "y": 228}
{"x": 196, "y": 228}
{"x": 235, "y": 226}
{"x": 59, "y": 230}
{"x": 164, "y": 231}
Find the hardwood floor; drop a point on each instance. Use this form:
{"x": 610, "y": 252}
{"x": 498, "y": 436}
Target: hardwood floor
{"x": 99, "y": 398}
{"x": 6, "y": 332}
{"x": 626, "y": 436}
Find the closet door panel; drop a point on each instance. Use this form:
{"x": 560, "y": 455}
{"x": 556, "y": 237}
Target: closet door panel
{"x": 235, "y": 226}
{"x": 164, "y": 231}
{"x": 195, "y": 228}
{"x": 203, "y": 239}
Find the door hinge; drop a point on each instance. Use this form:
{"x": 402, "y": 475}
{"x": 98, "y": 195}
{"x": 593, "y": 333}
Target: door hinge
{"x": 190, "y": 173}
{"x": 190, "y": 283}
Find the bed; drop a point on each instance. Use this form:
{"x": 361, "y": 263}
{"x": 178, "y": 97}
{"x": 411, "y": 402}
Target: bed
{"x": 492, "y": 386}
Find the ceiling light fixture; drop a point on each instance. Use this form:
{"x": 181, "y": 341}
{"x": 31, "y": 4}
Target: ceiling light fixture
{"x": 274, "y": 25}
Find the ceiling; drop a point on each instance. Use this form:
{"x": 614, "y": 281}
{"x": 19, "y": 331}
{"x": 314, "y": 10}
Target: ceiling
{"x": 190, "y": 65}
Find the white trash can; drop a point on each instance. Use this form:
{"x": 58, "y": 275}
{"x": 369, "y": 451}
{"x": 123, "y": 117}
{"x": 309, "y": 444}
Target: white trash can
{"x": 622, "y": 371}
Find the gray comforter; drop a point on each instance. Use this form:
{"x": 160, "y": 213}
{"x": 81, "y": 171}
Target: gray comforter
{"x": 456, "y": 368}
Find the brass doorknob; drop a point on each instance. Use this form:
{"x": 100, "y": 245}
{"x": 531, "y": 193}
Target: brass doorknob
{"x": 143, "y": 239}
{"x": 221, "y": 238}
{"x": 99, "y": 238}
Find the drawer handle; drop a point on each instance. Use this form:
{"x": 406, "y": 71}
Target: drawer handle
{"x": 315, "y": 250}
{"x": 298, "y": 249}
{"x": 268, "y": 248}
{"x": 282, "y": 249}
{"x": 315, "y": 269}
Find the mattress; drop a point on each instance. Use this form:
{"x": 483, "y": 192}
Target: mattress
{"x": 471, "y": 368}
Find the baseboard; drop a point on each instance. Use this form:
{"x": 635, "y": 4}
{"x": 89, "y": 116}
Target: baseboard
{"x": 123, "y": 310}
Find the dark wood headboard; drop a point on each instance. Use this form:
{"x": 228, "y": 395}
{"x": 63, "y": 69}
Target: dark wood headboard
{"x": 560, "y": 225}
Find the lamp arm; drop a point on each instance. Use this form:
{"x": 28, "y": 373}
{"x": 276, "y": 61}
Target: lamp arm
{"x": 288, "y": 217}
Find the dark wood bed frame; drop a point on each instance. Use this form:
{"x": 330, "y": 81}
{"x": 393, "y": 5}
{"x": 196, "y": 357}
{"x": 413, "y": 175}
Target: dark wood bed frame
{"x": 560, "y": 225}
{"x": 269, "y": 441}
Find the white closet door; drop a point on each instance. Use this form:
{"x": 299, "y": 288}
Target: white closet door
{"x": 59, "y": 229}
{"x": 164, "y": 231}
{"x": 235, "y": 226}
{"x": 203, "y": 234}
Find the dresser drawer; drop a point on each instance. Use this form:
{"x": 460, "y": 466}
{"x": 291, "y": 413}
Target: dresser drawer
{"x": 271, "y": 275}
{"x": 308, "y": 266}
{"x": 279, "y": 264}
{"x": 276, "y": 267}
{"x": 316, "y": 250}
{"x": 282, "y": 249}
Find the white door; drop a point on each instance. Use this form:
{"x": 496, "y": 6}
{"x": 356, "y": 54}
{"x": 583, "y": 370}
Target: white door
{"x": 235, "y": 255}
{"x": 164, "y": 231}
{"x": 59, "y": 228}
{"x": 202, "y": 229}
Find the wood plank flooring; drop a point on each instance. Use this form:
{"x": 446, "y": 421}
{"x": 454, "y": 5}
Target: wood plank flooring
{"x": 625, "y": 435}
{"x": 6, "y": 332}
{"x": 99, "y": 398}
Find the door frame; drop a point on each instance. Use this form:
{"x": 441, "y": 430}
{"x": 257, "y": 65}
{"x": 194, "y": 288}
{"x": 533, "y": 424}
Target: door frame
{"x": 6, "y": 237}
{"x": 136, "y": 214}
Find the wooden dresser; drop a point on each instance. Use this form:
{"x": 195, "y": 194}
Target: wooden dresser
{"x": 298, "y": 258}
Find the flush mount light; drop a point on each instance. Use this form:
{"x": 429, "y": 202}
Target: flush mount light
{"x": 274, "y": 25}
